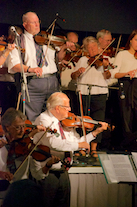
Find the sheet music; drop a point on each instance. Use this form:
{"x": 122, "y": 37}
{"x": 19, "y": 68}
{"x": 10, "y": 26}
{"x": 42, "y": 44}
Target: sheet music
{"x": 117, "y": 168}
{"x": 122, "y": 168}
{"x": 134, "y": 155}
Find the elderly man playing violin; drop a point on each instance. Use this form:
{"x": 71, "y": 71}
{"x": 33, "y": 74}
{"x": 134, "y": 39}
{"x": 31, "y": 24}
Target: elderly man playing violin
{"x": 56, "y": 185}
{"x": 39, "y": 64}
{"x": 14, "y": 148}
{"x": 91, "y": 81}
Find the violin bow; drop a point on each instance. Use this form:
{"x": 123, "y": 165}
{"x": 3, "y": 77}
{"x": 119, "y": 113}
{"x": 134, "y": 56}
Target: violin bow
{"x": 18, "y": 102}
{"x": 53, "y": 25}
{"x": 89, "y": 66}
{"x": 81, "y": 111}
{"x": 32, "y": 150}
{"x": 119, "y": 40}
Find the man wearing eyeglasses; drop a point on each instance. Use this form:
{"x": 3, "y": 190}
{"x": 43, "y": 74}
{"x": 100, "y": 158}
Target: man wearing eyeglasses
{"x": 13, "y": 124}
{"x": 56, "y": 185}
{"x": 39, "y": 64}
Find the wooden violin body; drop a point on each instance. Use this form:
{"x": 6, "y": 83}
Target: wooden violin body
{"x": 43, "y": 38}
{"x": 76, "y": 121}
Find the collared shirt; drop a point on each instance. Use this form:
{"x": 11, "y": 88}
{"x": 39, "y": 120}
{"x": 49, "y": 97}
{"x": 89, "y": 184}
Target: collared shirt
{"x": 30, "y": 56}
{"x": 56, "y": 144}
{"x": 92, "y": 77}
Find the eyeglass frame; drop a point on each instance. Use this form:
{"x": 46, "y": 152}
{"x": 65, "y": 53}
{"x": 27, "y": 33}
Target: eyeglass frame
{"x": 19, "y": 127}
{"x": 66, "y": 107}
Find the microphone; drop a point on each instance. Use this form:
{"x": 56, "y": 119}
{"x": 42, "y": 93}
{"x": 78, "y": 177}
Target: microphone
{"x": 57, "y": 15}
{"x": 12, "y": 28}
{"x": 122, "y": 96}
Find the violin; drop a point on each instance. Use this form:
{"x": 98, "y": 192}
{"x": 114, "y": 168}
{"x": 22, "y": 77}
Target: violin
{"x": 97, "y": 63}
{"x": 38, "y": 152}
{"x": 71, "y": 56}
{"x": 4, "y": 44}
{"x": 111, "y": 51}
{"x": 76, "y": 121}
{"x": 25, "y": 145}
{"x": 43, "y": 37}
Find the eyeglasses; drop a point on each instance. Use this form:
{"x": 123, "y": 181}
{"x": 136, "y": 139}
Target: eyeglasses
{"x": 18, "y": 128}
{"x": 66, "y": 107}
{"x": 36, "y": 22}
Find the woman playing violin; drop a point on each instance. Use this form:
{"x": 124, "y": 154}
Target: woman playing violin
{"x": 126, "y": 72}
{"x": 13, "y": 123}
{"x": 94, "y": 97}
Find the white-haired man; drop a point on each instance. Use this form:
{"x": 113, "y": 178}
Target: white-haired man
{"x": 56, "y": 185}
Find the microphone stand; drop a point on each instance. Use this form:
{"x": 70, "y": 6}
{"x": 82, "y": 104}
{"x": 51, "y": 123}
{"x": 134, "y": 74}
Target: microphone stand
{"x": 24, "y": 80}
{"x": 89, "y": 95}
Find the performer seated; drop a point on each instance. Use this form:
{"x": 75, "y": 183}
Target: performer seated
{"x": 92, "y": 84}
{"x": 17, "y": 145}
{"x": 56, "y": 186}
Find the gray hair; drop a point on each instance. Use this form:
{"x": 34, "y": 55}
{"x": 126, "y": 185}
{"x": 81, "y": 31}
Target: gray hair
{"x": 102, "y": 33}
{"x": 10, "y": 116}
{"x": 55, "y": 99}
{"x": 25, "y": 16}
{"x": 88, "y": 40}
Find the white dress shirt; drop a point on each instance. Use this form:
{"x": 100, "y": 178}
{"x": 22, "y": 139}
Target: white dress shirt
{"x": 57, "y": 145}
{"x": 30, "y": 56}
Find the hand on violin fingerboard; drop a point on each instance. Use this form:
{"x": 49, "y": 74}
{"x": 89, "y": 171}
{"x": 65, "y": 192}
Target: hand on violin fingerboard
{"x": 38, "y": 128}
{"x": 98, "y": 130}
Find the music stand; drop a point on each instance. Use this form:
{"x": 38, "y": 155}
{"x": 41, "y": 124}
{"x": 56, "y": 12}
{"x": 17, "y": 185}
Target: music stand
{"x": 23, "y": 76}
{"x": 89, "y": 95}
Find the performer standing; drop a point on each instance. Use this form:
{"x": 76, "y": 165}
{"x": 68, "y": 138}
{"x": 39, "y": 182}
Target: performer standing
{"x": 104, "y": 38}
{"x": 7, "y": 86}
{"x": 68, "y": 85}
{"x": 41, "y": 70}
{"x": 94, "y": 98}
{"x": 126, "y": 72}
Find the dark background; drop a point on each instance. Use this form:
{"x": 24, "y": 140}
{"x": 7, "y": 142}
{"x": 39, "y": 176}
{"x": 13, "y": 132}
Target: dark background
{"x": 86, "y": 17}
